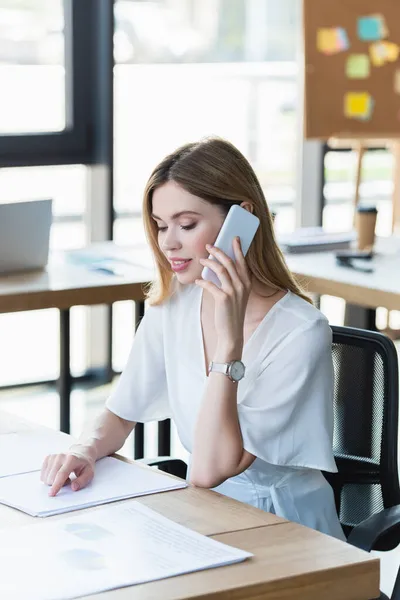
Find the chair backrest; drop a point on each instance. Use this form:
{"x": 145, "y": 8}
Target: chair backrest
{"x": 366, "y": 395}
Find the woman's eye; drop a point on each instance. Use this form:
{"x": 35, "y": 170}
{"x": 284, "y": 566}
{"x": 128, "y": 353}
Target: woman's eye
{"x": 187, "y": 227}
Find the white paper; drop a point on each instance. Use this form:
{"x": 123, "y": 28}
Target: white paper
{"x": 23, "y": 451}
{"x": 101, "y": 550}
{"x": 113, "y": 480}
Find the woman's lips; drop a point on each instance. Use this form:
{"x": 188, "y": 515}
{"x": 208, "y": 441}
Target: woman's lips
{"x": 178, "y": 266}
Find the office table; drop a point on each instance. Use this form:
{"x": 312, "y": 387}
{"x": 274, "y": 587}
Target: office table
{"x": 64, "y": 284}
{"x": 290, "y": 561}
{"x": 320, "y": 274}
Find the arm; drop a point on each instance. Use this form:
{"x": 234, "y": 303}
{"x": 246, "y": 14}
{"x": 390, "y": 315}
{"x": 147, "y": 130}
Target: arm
{"x": 218, "y": 451}
{"x": 107, "y": 436}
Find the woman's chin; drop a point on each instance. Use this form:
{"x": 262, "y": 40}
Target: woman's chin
{"x": 187, "y": 278}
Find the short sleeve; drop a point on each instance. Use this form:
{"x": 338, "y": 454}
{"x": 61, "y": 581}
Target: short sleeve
{"x": 286, "y": 416}
{"x": 141, "y": 393}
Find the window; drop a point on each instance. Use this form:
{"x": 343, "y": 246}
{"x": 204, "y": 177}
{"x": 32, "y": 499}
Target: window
{"x": 191, "y": 68}
{"x": 32, "y": 66}
{"x": 30, "y": 347}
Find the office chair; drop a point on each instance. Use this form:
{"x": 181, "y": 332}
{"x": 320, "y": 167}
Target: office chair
{"x": 366, "y": 394}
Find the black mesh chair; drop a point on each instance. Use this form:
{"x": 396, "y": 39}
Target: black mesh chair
{"x": 366, "y": 395}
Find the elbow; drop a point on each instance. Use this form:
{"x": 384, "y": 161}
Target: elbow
{"x": 205, "y": 480}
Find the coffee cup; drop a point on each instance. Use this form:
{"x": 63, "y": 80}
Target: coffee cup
{"x": 365, "y": 226}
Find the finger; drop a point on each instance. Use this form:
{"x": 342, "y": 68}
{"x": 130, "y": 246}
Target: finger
{"x": 211, "y": 287}
{"x": 53, "y": 469}
{"x": 43, "y": 471}
{"x": 221, "y": 272}
{"x": 84, "y": 478}
{"x": 226, "y": 262}
{"x": 241, "y": 264}
{"x": 62, "y": 476}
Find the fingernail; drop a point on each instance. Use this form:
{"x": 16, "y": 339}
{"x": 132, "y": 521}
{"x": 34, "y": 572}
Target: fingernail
{"x": 208, "y": 246}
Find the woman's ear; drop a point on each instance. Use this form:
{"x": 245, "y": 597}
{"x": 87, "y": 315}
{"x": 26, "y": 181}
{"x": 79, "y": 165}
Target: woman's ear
{"x": 247, "y": 206}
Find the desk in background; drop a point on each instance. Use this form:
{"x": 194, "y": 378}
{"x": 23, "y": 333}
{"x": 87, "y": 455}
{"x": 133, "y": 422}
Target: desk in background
{"x": 320, "y": 274}
{"x": 65, "y": 284}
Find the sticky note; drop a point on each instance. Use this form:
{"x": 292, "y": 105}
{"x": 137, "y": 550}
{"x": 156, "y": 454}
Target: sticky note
{"x": 326, "y": 41}
{"x": 358, "y": 66}
{"x": 378, "y": 54}
{"x": 397, "y": 81}
{"x": 383, "y": 52}
{"x": 358, "y": 105}
{"x": 342, "y": 39}
{"x": 372, "y": 28}
{"x": 392, "y": 51}
{"x": 332, "y": 40}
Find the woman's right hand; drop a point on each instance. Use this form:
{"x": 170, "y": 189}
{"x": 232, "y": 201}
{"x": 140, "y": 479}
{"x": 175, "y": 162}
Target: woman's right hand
{"x": 57, "y": 468}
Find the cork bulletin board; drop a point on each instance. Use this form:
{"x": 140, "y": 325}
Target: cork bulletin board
{"x": 352, "y": 68}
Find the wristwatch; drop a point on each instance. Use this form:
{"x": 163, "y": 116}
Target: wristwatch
{"x": 235, "y": 369}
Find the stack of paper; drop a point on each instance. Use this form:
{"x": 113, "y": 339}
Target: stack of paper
{"x": 113, "y": 480}
{"x": 102, "y": 550}
{"x": 24, "y": 451}
{"x": 315, "y": 239}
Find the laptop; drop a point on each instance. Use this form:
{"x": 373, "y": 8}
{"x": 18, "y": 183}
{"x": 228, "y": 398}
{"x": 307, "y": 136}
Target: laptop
{"x": 24, "y": 235}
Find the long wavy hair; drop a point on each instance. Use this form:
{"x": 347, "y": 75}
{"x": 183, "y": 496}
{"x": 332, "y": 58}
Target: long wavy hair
{"x": 215, "y": 171}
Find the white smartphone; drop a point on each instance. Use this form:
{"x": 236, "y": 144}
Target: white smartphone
{"x": 238, "y": 222}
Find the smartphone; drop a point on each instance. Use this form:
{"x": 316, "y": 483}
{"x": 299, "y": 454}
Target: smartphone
{"x": 238, "y": 222}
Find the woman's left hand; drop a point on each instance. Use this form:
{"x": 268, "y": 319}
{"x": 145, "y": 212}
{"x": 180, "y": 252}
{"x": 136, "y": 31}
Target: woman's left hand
{"x": 231, "y": 299}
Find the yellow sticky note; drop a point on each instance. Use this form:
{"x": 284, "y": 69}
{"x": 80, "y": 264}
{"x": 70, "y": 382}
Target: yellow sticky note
{"x": 358, "y": 105}
{"x": 392, "y": 51}
{"x": 358, "y": 66}
{"x": 378, "y": 54}
{"x": 397, "y": 81}
{"x": 326, "y": 40}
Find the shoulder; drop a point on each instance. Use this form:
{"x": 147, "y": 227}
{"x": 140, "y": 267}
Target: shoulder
{"x": 296, "y": 314}
{"x": 295, "y": 328}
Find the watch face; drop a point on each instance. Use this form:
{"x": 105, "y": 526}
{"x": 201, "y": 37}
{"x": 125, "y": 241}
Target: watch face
{"x": 237, "y": 370}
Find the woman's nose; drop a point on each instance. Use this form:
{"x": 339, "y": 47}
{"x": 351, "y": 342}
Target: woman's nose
{"x": 171, "y": 242}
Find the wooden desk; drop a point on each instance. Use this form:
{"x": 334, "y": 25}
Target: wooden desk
{"x": 290, "y": 561}
{"x": 319, "y": 273}
{"x": 65, "y": 284}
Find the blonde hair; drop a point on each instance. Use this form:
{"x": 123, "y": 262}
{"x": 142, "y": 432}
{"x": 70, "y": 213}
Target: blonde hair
{"x": 214, "y": 170}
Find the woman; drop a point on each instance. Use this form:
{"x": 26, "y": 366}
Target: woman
{"x": 263, "y": 438}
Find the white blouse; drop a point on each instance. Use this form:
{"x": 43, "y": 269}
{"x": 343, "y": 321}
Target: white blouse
{"x": 285, "y": 401}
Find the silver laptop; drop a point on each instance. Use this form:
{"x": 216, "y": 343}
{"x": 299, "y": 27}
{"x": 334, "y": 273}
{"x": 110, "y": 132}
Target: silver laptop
{"x": 24, "y": 235}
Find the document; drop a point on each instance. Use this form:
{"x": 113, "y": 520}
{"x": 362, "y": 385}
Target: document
{"x": 113, "y": 480}
{"x": 23, "y": 450}
{"x": 109, "y": 548}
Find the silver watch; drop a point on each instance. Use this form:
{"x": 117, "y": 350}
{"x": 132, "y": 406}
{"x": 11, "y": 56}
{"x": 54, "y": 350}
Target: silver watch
{"x": 235, "y": 369}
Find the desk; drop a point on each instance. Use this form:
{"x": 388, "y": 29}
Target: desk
{"x": 291, "y": 562}
{"x": 65, "y": 284}
{"x": 319, "y": 273}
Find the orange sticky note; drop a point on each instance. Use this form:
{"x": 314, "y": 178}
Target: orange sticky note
{"x": 331, "y": 40}
{"x": 326, "y": 41}
{"x": 358, "y": 105}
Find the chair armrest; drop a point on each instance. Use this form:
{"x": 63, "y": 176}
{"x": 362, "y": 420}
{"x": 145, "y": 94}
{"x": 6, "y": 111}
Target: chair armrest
{"x": 379, "y": 532}
{"x": 173, "y": 466}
